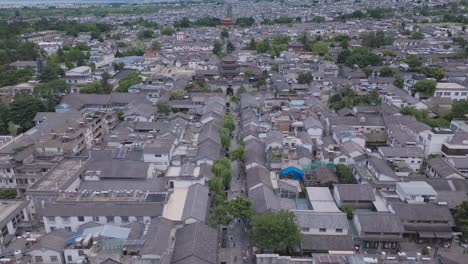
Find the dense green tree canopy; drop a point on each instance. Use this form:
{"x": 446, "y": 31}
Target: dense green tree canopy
{"x": 344, "y": 174}
{"x": 359, "y": 56}
{"x": 460, "y": 215}
{"x": 426, "y": 86}
{"x": 304, "y": 78}
{"x": 276, "y": 231}
{"x": 23, "y": 109}
{"x": 245, "y": 21}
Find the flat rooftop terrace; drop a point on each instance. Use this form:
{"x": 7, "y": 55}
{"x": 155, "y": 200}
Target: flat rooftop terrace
{"x": 59, "y": 175}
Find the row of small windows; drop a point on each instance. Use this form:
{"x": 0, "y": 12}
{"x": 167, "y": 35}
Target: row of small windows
{"x": 66, "y": 219}
{"x": 449, "y": 93}
{"x": 15, "y": 221}
{"x": 322, "y": 230}
{"x": 40, "y": 259}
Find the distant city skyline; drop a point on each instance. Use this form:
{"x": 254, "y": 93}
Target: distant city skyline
{"x": 68, "y": 2}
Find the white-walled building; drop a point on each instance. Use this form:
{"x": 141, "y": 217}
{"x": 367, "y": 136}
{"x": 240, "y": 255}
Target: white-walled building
{"x": 39, "y": 249}
{"x": 415, "y": 192}
{"x": 12, "y": 212}
{"x": 73, "y": 209}
{"x": 434, "y": 139}
{"x": 454, "y": 91}
{"x": 412, "y": 156}
{"x": 79, "y": 76}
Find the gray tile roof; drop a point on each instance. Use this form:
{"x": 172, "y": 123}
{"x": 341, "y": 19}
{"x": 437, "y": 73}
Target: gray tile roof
{"x": 208, "y": 149}
{"x": 406, "y": 120}
{"x": 117, "y": 169}
{"x": 356, "y": 121}
{"x": 258, "y": 175}
{"x": 379, "y": 222}
{"x": 152, "y": 185}
{"x": 442, "y": 167}
{"x": 312, "y": 219}
{"x": 327, "y": 243}
{"x": 196, "y": 203}
{"x": 355, "y": 192}
{"x": 264, "y": 199}
{"x": 390, "y": 152}
{"x": 76, "y": 101}
{"x": 345, "y": 111}
{"x": 110, "y": 261}
{"x": 312, "y": 122}
{"x": 459, "y": 138}
{"x": 54, "y": 240}
{"x": 460, "y": 162}
{"x": 247, "y": 100}
{"x": 422, "y": 212}
{"x": 274, "y": 136}
{"x": 210, "y": 131}
{"x": 254, "y": 152}
{"x": 381, "y": 167}
{"x": 161, "y": 229}
{"x": 102, "y": 209}
{"x": 195, "y": 243}
{"x": 161, "y": 146}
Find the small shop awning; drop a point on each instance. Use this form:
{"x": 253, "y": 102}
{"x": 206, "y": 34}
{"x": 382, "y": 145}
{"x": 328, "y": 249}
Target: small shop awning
{"x": 426, "y": 234}
{"x": 443, "y": 234}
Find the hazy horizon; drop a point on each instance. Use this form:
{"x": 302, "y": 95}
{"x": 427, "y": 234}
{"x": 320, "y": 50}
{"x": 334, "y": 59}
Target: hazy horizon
{"x": 59, "y": 2}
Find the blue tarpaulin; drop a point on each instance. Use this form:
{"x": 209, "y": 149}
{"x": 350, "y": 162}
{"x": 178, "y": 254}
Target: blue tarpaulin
{"x": 72, "y": 237}
{"x": 293, "y": 172}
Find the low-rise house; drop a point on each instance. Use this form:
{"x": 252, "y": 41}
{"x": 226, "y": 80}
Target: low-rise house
{"x": 159, "y": 152}
{"x": 425, "y": 221}
{"x": 79, "y": 76}
{"x": 412, "y": 157}
{"x": 27, "y": 87}
{"x": 343, "y": 134}
{"x": 355, "y": 195}
{"x": 434, "y": 139}
{"x": 322, "y": 223}
{"x": 459, "y": 125}
{"x": 456, "y": 146}
{"x": 397, "y": 97}
{"x": 12, "y": 214}
{"x": 196, "y": 204}
{"x": 289, "y": 188}
{"x": 378, "y": 232}
{"x": 257, "y": 176}
{"x": 324, "y": 177}
{"x": 100, "y": 102}
{"x": 195, "y": 243}
{"x": 361, "y": 173}
{"x": 132, "y": 243}
{"x": 354, "y": 151}
{"x": 330, "y": 228}
{"x": 321, "y": 200}
{"x": 72, "y": 209}
{"x": 381, "y": 170}
{"x": 439, "y": 167}
{"x": 415, "y": 192}
{"x": 274, "y": 139}
{"x": 361, "y": 124}
{"x": 47, "y": 248}
{"x": 460, "y": 164}
{"x": 22, "y": 65}
{"x": 254, "y": 153}
{"x": 264, "y": 199}
{"x": 41, "y": 36}
{"x": 453, "y": 91}
{"x": 313, "y": 127}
